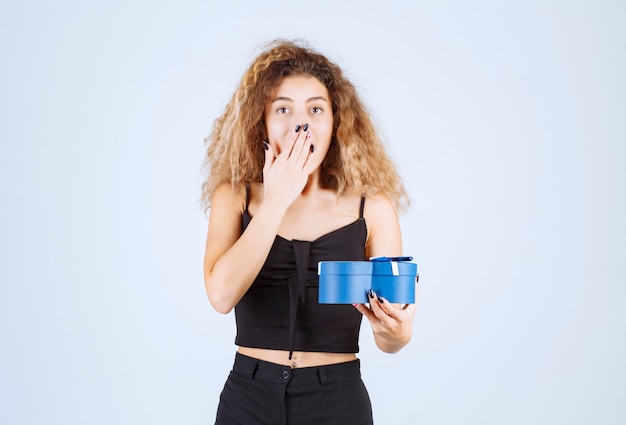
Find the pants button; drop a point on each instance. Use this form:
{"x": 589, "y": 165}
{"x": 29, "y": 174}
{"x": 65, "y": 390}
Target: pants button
{"x": 286, "y": 374}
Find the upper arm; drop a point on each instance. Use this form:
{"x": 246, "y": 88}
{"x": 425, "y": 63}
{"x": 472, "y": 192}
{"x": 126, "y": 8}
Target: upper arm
{"x": 225, "y": 224}
{"x": 384, "y": 235}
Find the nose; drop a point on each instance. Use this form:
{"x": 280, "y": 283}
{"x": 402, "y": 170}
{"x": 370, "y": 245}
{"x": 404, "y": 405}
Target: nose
{"x": 299, "y": 118}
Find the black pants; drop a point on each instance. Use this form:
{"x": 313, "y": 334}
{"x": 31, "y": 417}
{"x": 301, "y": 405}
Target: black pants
{"x": 264, "y": 393}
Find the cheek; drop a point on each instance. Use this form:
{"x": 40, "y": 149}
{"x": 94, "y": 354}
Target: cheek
{"x": 273, "y": 127}
{"x": 325, "y": 132}
{"x": 277, "y": 133}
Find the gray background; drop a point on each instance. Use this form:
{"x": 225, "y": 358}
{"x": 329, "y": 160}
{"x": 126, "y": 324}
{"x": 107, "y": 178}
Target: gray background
{"x": 506, "y": 119}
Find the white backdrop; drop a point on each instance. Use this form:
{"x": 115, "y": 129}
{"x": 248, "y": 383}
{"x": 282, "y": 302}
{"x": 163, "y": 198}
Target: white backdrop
{"x": 506, "y": 118}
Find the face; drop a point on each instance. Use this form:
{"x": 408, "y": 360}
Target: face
{"x": 299, "y": 100}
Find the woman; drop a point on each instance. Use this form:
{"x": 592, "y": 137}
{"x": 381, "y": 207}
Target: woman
{"x": 298, "y": 175}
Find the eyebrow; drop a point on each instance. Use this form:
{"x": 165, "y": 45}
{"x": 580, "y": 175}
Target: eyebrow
{"x": 310, "y": 99}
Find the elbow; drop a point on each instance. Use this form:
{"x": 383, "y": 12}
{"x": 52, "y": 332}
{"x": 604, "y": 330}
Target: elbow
{"x": 217, "y": 299}
{"x": 219, "y": 303}
{"x": 221, "y": 307}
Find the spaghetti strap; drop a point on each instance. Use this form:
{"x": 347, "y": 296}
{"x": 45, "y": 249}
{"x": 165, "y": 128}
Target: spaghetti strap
{"x": 362, "y": 206}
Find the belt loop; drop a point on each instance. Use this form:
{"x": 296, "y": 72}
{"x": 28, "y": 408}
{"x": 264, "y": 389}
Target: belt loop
{"x": 254, "y": 368}
{"x": 322, "y": 373}
{"x": 246, "y": 366}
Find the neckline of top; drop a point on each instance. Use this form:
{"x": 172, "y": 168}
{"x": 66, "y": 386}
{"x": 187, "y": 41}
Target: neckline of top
{"x": 358, "y": 220}
{"x": 324, "y": 235}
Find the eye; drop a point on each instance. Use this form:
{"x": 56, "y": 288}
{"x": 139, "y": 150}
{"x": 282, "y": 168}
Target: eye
{"x": 317, "y": 110}
{"x": 282, "y": 110}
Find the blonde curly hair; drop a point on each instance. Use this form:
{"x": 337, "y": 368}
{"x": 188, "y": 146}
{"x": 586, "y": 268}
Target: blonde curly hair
{"x": 356, "y": 159}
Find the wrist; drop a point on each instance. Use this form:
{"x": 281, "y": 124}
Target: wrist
{"x": 393, "y": 344}
{"x": 275, "y": 205}
{"x": 270, "y": 212}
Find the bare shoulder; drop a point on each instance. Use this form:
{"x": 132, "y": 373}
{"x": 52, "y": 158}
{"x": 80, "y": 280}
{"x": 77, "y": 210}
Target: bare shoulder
{"x": 227, "y": 206}
{"x": 227, "y": 197}
{"x": 379, "y": 208}
{"x": 383, "y": 227}
{"x": 349, "y": 204}
{"x": 225, "y": 224}
{"x": 376, "y": 209}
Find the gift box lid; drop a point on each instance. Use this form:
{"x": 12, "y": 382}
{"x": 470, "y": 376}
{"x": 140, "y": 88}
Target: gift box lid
{"x": 394, "y": 268}
{"x": 374, "y": 267}
{"x": 344, "y": 267}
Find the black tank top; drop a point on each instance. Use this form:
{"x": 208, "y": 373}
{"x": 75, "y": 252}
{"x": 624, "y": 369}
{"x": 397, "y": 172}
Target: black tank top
{"x": 280, "y": 310}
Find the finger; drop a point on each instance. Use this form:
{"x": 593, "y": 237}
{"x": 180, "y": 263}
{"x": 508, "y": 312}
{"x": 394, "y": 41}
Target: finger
{"x": 362, "y": 308}
{"x": 416, "y": 288}
{"x": 376, "y": 304}
{"x": 295, "y": 141}
{"x": 388, "y": 308}
{"x": 411, "y": 309}
{"x": 301, "y": 147}
{"x": 269, "y": 156}
{"x": 305, "y": 152}
{"x": 396, "y": 311}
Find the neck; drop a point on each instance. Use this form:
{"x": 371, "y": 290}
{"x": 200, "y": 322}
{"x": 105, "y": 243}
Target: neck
{"x": 314, "y": 182}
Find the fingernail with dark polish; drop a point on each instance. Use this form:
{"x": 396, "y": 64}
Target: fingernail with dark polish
{"x": 265, "y": 145}
{"x": 298, "y": 128}
{"x": 380, "y": 300}
{"x": 312, "y": 148}
{"x": 370, "y": 293}
{"x": 306, "y": 127}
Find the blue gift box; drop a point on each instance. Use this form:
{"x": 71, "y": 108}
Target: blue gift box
{"x": 347, "y": 282}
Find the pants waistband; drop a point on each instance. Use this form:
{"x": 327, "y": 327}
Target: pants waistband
{"x": 253, "y": 368}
